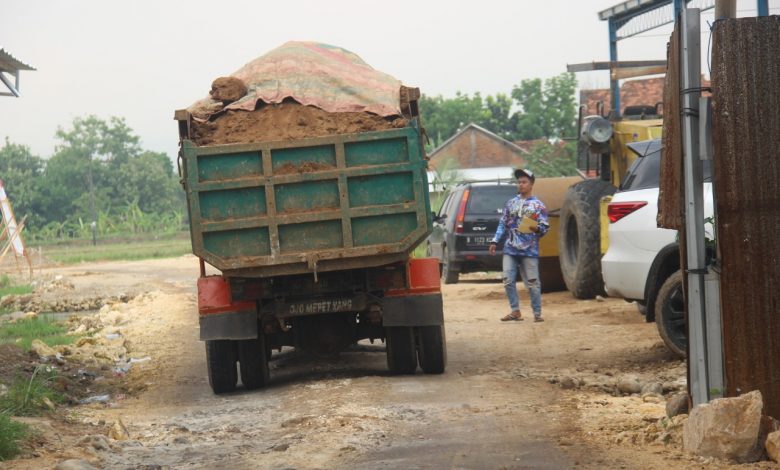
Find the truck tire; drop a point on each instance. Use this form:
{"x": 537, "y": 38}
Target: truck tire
{"x": 253, "y": 362}
{"x": 670, "y": 314}
{"x": 401, "y": 352}
{"x": 432, "y": 349}
{"x": 449, "y": 273}
{"x": 221, "y": 365}
{"x": 579, "y": 238}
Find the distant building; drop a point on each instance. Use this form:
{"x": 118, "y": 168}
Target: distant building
{"x": 477, "y": 147}
{"x": 648, "y": 91}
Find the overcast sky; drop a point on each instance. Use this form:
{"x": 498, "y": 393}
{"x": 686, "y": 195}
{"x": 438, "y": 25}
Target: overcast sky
{"x": 143, "y": 59}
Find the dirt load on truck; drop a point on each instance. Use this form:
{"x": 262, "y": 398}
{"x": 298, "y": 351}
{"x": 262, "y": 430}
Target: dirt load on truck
{"x": 308, "y": 192}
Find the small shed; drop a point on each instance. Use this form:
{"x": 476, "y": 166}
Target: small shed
{"x": 9, "y": 69}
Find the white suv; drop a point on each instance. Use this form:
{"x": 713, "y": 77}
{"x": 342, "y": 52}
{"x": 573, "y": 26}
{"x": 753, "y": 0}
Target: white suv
{"x": 642, "y": 262}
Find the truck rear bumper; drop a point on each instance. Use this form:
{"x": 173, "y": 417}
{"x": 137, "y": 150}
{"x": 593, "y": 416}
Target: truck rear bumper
{"x": 220, "y": 317}
{"x": 420, "y": 304}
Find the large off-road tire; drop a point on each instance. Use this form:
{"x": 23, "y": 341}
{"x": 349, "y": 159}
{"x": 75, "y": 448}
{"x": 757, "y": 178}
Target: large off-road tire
{"x": 579, "y": 238}
{"x": 253, "y": 362}
{"x": 432, "y": 349}
{"x": 670, "y": 314}
{"x": 401, "y": 350}
{"x": 449, "y": 273}
{"x": 221, "y": 365}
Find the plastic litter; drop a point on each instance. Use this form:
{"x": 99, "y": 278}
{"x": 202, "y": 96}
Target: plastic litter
{"x": 134, "y": 360}
{"x": 95, "y": 399}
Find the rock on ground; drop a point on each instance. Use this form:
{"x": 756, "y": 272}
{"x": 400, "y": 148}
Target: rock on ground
{"x": 773, "y": 446}
{"x": 726, "y": 428}
{"x": 74, "y": 464}
{"x": 677, "y": 404}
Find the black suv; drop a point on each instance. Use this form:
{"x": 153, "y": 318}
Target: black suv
{"x": 464, "y": 226}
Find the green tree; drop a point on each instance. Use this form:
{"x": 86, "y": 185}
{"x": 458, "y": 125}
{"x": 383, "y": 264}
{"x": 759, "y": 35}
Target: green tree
{"x": 553, "y": 159}
{"x": 546, "y": 109}
{"x": 149, "y": 179}
{"x": 443, "y": 117}
{"x": 500, "y": 118}
{"x": 20, "y": 171}
{"x": 100, "y": 168}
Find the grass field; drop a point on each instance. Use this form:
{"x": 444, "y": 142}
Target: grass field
{"x": 112, "y": 250}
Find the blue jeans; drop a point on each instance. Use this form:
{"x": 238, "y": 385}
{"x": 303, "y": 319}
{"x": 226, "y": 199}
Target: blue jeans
{"x": 529, "y": 271}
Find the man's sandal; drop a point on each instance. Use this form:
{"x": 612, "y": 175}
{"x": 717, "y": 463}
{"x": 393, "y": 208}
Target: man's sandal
{"x": 514, "y": 316}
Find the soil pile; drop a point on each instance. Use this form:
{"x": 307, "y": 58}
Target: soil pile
{"x": 286, "y": 121}
{"x": 300, "y": 90}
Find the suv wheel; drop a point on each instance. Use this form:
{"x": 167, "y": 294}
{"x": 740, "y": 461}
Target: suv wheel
{"x": 448, "y": 272}
{"x": 670, "y": 314}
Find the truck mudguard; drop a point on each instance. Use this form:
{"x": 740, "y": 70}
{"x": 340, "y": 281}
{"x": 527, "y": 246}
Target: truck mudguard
{"x": 220, "y": 317}
{"x": 421, "y": 303}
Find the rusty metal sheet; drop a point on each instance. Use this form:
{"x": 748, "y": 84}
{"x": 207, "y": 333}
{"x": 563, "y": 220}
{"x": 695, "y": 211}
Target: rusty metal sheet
{"x": 671, "y": 194}
{"x": 746, "y": 130}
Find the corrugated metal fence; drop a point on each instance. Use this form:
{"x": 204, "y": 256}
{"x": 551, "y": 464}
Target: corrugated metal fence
{"x": 746, "y": 130}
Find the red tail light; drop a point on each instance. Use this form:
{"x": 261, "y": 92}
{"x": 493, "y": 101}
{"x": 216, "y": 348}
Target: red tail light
{"x": 618, "y": 210}
{"x": 461, "y": 211}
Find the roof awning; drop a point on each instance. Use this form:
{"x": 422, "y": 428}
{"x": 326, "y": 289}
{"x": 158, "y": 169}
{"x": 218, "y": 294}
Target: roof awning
{"x": 9, "y": 65}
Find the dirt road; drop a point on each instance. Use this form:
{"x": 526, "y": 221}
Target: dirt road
{"x": 517, "y": 395}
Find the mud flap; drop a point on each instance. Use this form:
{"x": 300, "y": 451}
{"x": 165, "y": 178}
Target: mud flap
{"x": 413, "y": 310}
{"x": 229, "y": 325}
{"x": 220, "y": 316}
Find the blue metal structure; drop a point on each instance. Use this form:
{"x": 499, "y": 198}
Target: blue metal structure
{"x": 633, "y": 17}
{"x": 763, "y": 7}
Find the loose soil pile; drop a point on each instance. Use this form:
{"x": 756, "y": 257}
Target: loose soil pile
{"x": 286, "y": 121}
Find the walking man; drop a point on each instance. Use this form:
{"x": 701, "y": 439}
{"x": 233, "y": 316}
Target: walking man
{"x": 522, "y": 224}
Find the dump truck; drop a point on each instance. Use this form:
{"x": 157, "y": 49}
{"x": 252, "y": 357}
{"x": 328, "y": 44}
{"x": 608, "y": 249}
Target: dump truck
{"x": 317, "y": 260}
{"x": 603, "y": 157}
{"x": 312, "y": 235}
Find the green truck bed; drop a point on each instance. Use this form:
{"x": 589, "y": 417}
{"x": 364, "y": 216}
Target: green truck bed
{"x": 320, "y": 204}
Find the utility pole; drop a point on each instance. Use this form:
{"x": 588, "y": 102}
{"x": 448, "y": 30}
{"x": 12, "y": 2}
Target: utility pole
{"x": 93, "y": 225}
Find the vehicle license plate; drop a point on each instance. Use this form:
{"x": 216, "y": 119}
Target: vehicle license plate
{"x": 478, "y": 240}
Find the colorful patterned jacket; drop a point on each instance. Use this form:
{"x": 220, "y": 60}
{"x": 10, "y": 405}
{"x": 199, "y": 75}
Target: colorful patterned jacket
{"x": 516, "y": 242}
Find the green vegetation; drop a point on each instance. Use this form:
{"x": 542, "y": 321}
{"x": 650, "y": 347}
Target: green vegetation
{"x": 28, "y": 396}
{"x": 535, "y": 109}
{"x": 23, "y": 332}
{"x": 116, "y": 250}
{"x": 551, "y": 160}
{"x": 11, "y": 433}
{"x": 99, "y": 173}
{"x": 7, "y": 287}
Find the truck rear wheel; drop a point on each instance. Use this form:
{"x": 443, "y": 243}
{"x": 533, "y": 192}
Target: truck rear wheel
{"x": 670, "y": 314}
{"x": 432, "y": 349}
{"x": 253, "y": 362}
{"x": 401, "y": 351}
{"x": 579, "y": 238}
{"x": 221, "y": 365}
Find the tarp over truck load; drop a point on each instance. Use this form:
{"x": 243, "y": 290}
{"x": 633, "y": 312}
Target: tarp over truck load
{"x": 313, "y": 74}
{"x": 336, "y": 201}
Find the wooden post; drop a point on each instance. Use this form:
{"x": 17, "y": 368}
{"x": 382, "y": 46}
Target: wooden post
{"x": 725, "y": 9}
